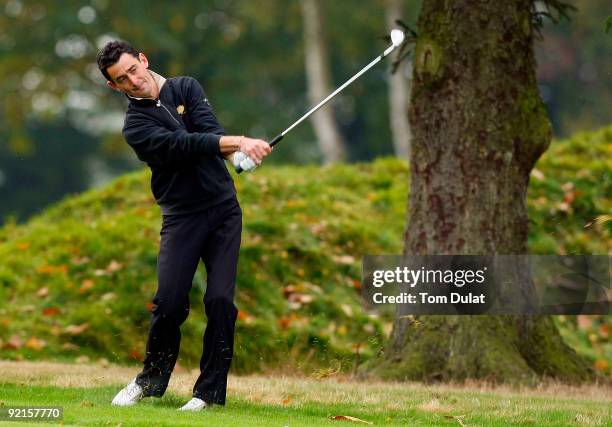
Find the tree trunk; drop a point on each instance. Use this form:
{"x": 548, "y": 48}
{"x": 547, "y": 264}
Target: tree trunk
{"x": 399, "y": 91}
{"x": 317, "y": 74}
{"x": 479, "y": 127}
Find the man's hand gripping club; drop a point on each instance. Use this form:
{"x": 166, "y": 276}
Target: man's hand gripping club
{"x": 243, "y": 152}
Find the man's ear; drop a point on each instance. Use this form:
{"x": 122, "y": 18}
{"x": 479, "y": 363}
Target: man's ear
{"x": 143, "y": 59}
{"x": 112, "y": 85}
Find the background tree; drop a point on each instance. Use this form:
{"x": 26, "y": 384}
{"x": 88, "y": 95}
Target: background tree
{"x": 479, "y": 127}
{"x": 399, "y": 90}
{"x": 319, "y": 82}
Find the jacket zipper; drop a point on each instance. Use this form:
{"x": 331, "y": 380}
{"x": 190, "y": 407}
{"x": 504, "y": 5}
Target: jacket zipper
{"x": 159, "y": 104}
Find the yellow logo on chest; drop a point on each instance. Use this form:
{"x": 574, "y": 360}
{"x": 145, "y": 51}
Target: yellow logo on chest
{"x": 180, "y": 109}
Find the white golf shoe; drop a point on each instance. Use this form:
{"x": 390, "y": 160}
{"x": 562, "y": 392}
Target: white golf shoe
{"x": 194, "y": 404}
{"x": 129, "y": 395}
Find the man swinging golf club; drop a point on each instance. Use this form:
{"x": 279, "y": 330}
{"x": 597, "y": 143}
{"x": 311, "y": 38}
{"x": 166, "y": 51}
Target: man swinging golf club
{"x": 171, "y": 126}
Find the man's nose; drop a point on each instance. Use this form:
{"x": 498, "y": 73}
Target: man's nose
{"x": 133, "y": 80}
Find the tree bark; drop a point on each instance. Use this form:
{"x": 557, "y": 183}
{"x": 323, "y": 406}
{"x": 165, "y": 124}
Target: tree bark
{"x": 399, "y": 91}
{"x": 479, "y": 126}
{"x": 317, "y": 73}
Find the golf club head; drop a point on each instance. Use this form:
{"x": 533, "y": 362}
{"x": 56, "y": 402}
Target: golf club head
{"x": 397, "y": 37}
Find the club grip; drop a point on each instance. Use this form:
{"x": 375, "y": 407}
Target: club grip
{"x": 276, "y": 140}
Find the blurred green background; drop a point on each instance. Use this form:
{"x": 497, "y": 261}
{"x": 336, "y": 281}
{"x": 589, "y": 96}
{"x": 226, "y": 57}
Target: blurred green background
{"x": 60, "y": 126}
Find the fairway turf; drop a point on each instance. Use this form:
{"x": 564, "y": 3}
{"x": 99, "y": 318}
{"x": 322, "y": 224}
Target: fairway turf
{"x": 292, "y": 401}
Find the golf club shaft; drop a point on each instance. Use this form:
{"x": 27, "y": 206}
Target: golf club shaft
{"x": 337, "y": 91}
{"x": 277, "y": 139}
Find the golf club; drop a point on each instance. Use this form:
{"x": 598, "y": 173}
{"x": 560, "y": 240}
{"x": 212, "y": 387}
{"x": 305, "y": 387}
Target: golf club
{"x": 397, "y": 37}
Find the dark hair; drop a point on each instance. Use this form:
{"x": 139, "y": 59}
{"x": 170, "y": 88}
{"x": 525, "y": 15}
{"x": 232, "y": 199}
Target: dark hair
{"x": 110, "y": 54}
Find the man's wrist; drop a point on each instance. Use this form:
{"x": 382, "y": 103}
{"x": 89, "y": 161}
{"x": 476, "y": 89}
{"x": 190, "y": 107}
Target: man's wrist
{"x": 230, "y": 144}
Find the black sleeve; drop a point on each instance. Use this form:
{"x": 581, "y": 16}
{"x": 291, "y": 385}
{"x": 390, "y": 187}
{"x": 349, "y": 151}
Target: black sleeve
{"x": 199, "y": 109}
{"x": 158, "y": 146}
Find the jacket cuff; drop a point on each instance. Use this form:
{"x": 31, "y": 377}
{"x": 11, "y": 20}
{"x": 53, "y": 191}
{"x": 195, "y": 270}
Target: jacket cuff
{"x": 210, "y": 144}
{"x": 216, "y": 143}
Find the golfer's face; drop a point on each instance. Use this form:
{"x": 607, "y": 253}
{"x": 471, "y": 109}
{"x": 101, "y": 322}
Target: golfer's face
{"x": 130, "y": 76}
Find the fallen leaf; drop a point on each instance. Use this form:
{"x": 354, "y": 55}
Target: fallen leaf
{"x": 86, "y": 285}
{"x": 114, "y": 266}
{"x": 537, "y": 174}
{"x": 601, "y": 365}
{"x": 35, "y": 343}
{"x": 70, "y": 346}
{"x": 142, "y": 212}
{"x": 76, "y": 329}
{"x": 563, "y": 207}
{"x": 293, "y": 203}
{"x": 14, "y": 342}
{"x": 50, "y": 311}
{"x": 344, "y": 259}
{"x": 42, "y": 292}
{"x": 285, "y": 321}
{"x": 287, "y": 400}
{"x": 301, "y": 298}
{"x": 23, "y": 246}
{"x": 318, "y": 228}
{"x": 604, "y": 331}
{"x": 289, "y": 289}
{"x": 51, "y": 269}
{"x": 568, "y": 186}
{"x": 584, "y": 322}
{"x": 245, "y": 317}
{"x": 348, "y": 311}
{"x": 136, "y": 356}
{"x": 81, "y": 261}
{"x": 108, "y": 296}
{"x": 349, "y": 418}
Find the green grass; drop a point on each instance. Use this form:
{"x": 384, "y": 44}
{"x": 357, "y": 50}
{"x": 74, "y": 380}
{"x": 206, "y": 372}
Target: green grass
{"x": 397, "y": 406}
{"x": 91, "y": 407}
{"x": 78, "y": 278}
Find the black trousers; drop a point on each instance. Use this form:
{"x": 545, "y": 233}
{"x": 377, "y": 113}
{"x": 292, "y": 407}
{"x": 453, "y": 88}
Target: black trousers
{"x": 212, "y": 235}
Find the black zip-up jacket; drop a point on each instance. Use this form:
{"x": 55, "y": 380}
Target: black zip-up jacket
{"x": 178, "y": 137}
